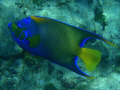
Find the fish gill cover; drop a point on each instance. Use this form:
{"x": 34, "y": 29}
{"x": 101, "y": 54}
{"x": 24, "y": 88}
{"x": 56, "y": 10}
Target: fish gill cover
{"x": 19, "y": 70}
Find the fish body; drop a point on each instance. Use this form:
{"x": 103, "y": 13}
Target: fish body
{"x": 56, "y": 41}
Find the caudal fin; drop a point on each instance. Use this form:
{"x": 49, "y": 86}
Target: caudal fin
{"x": 90, "y": 57}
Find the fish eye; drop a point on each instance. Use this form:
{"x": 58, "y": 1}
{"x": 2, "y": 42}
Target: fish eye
{"x": 26, "y": 41}
{"x": 19, "y": 26}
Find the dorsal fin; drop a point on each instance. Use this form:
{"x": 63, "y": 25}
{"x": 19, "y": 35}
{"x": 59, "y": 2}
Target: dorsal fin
{"x": 38, "y": 19}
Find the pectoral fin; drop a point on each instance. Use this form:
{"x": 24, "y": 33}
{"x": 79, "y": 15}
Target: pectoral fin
{"x": 34, "y": 41}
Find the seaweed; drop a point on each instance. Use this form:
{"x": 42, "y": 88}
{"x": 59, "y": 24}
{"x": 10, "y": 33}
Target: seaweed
{"x": 19, "y": 4}
{"x": 50, "y": 86}
{"x": 38, "y": 2}
{"x": 90, "y": 1}
{"x": 32, "y": 62}
{"x": 99, "y": 17}
{"x": 68, "y": 83}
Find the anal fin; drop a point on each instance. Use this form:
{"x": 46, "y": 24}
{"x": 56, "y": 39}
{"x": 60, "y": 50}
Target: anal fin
{"x": 71, "y": 64}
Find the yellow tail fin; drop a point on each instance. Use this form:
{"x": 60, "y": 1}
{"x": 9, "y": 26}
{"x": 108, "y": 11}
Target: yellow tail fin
{"x": 90, "y": 57}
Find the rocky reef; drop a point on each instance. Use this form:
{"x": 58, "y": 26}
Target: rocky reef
{"x": 19, "y": 70}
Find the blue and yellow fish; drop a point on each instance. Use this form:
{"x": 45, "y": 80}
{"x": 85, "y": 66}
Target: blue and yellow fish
{"x": 56, "y": 41}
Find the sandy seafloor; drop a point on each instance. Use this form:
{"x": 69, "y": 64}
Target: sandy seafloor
{"x": 21, "y": 71}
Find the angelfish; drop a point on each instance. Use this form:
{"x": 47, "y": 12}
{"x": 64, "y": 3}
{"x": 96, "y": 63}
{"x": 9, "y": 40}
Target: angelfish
{"x": 57, "y": 41}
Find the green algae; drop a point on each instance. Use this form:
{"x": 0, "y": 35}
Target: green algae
{"x": 68, "y": 83}
{"x": 90, "y": 1}
{"x": 33, "y": 62}
{"x": 38, "y": 2}
{"x": 99, "y": 17}
{"x": 50, "y": 86}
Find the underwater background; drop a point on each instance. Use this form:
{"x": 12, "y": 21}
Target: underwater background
{"x": 19, "y": 70}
